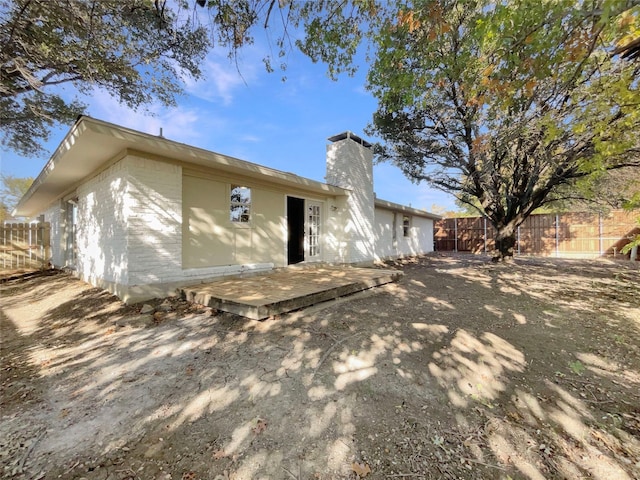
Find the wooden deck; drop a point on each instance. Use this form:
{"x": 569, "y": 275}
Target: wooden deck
{"x": 285, "y": 290}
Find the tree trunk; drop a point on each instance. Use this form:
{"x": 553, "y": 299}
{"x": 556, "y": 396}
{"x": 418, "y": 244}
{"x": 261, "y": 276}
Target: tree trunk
{"x": 505, "y": 244}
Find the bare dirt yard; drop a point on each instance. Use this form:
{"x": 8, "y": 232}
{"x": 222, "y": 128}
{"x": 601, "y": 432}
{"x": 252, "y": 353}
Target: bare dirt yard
{"x": 462, "y": 370}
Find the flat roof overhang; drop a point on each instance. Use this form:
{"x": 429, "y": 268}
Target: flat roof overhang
{"x": 91, "y": 143}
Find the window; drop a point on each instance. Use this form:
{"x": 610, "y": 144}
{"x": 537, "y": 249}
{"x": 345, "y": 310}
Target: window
{"x": 406, "y": 225}
{"x": 240, "y": 204}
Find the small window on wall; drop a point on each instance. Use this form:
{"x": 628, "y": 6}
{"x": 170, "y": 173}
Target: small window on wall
{"x": 406, "y": 225}
{"x": 240, "y": 204}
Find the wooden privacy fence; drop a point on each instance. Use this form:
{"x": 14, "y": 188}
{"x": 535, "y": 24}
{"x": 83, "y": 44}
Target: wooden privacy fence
{"x": 25, "y": 245}
{"x": 581, "y": 235}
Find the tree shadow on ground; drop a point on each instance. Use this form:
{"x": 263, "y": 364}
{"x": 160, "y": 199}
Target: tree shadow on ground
{"x": 456, "y": 372}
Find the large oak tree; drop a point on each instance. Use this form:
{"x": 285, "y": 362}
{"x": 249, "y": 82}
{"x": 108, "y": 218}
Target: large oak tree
{"x": 507, "y": 104}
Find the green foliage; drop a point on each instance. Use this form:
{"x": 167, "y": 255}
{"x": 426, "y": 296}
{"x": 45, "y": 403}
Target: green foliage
{"x": 138, "y": 51}
{"x": 633, "y": 203}
{"x": 506, "y": 104}
{"x": 11, "y": 191}
{"x": 331, "y": 30}
{"x": 468, "y": 207}
{"x": 577, "y": 367}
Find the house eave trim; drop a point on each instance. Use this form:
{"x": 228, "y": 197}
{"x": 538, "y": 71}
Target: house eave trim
{"x": 396, "y": 207}
{"x": 91, "y": 142}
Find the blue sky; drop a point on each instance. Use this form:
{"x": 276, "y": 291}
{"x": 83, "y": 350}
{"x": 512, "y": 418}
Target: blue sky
{"x": 255, "y": 116}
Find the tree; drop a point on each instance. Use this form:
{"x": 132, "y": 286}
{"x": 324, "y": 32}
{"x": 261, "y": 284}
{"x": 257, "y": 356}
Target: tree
{"x": 12, "y": 190}
{"x": 507, "y": 103}
{"x": 634, "y": 241}
{"x": 138, "y": 51}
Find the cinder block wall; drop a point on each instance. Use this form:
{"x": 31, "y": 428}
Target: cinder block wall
{"x": 154, "y": 221}
{"x": 128, "y": 230}
{"x": 101, "y": 229}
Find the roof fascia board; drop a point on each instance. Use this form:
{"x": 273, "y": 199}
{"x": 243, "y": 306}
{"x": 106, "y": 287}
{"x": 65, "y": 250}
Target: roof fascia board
{"x": 282, "y": 179}
{"x": 65, "y": 145}
{"x": 405, "y": 209}
{"x": 183, "y": 153}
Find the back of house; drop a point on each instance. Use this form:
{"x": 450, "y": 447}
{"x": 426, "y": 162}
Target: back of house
{"x": 141, "y": 215}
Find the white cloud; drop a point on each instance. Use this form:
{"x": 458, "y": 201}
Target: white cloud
{"x": 249, "y": 138}
{"x": 221, "y": 79}
{"x": 182, "y": 124}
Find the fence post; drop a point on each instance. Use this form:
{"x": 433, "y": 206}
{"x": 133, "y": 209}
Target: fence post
{"x": 557, "y": 235}
{"x": 518, "y": 240}
{"x": 455, "y": 230}
{"x": 600, "y": 239}
{"x": 485, "y": 234}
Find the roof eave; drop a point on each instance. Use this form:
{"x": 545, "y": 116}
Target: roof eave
{"x": 405, "y": 209}
{"x": 65, "y": 146}
{"x": 60, "y": 177}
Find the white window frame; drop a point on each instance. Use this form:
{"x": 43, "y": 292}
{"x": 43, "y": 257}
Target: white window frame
{"x": 313, "y": 251}
{"x": 406, "y": 226}
{"x": 244, "y": 218}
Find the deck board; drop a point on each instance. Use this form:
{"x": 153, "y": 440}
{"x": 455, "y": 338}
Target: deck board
{"x": 284, "y": 290}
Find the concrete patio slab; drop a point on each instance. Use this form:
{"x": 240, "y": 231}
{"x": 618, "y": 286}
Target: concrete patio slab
{"x": 261, "y": 296}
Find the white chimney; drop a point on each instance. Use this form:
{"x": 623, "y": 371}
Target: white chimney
{"x": 350, "y": 166}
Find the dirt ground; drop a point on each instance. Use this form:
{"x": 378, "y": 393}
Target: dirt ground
{"x": 462, "y": 370}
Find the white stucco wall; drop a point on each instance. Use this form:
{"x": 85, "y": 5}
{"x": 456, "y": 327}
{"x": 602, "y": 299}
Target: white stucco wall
{"x": 335, "y": 241}
{"x": 384, "y": 238}
{"x": 419, "y": 240}
{"x": 351, "y": 234}
{"x": 422, "y": 231}
{"x": 129, "y": 231}
{"x": 130, "y": 225}
{"x": 154, "y": 212}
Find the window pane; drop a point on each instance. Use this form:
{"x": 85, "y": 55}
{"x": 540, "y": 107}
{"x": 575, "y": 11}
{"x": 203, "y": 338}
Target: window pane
{"x": 313, "y": 228}
{"x": 406, "y": 224}
{"x": 239, "y": 213}
{"x": 240, "y": 194}
{"x": 240, "y": 205}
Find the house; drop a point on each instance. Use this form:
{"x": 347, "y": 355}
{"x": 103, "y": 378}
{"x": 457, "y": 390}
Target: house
{"x": 140, "y": 215}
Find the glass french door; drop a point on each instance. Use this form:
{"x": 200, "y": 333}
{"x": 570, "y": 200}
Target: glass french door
{"x": 314, "y": 231}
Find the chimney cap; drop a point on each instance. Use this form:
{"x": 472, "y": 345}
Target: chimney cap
{"x": 352, "y": 136}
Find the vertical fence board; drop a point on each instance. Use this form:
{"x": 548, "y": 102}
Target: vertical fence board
{"x": 25, "y": 245}
{"x": 564, "y": 235}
